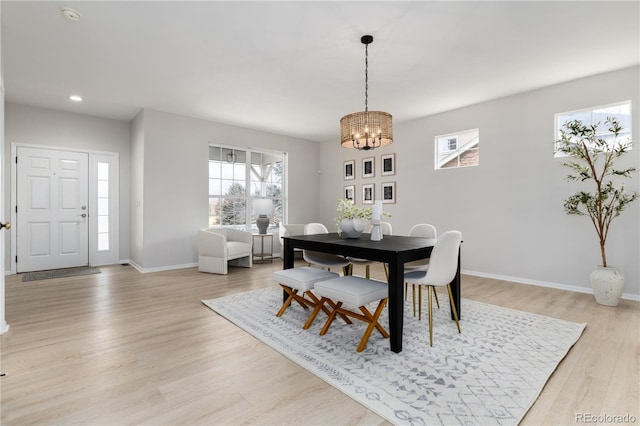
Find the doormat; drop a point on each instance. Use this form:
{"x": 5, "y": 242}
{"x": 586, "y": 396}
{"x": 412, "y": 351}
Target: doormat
{"x": 60, "y": 273}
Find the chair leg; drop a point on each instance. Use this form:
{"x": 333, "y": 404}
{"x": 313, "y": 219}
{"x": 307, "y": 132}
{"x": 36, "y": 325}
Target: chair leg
{"x": 406, "y": 289}
{"x": 287, "y": 302}
{"x": 293, "y": 295}
{"x": 453, "y": 307}
{"x": 367, "y": 272}
{"x": 313, "y": 315}
{"x": 413, "y": 295}
{"x": 319, "y": 304}
{"x": 419, "y": 303}
{"x": 429, "y": 289}
{"x": 373, "y": 323}
{"x": 386, "y": 274}
{"x": 347, "y": 270}
{"x": 327, "y": 324}
{"x": 435, "y": 294}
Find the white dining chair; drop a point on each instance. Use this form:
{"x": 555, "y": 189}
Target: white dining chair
{"x": 324, "y": 260}
{"x": 440, "y": 273}
{"x": 421, "y": 230}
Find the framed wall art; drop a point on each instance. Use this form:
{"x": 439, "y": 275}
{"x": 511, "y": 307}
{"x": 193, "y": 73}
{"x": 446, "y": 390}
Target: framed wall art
{"x": 388, "y": 192}
{"x": 349, "y": 193}
{"x": 367, "y": 193}
{"x": 368, "y": 169}
{"x": 349, "y": 170}
{"x": 388, "y": 162}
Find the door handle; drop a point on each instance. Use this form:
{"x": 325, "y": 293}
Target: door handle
{"x": 83, "y": 215}
{"x": 5, "y": 225}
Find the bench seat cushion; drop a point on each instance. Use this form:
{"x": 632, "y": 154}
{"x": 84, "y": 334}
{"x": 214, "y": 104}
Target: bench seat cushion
{"x": 355, "y": 291}
{"x": 302, "y": 279}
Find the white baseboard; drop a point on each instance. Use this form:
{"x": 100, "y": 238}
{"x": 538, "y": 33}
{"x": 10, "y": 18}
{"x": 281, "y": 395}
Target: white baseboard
{"x": 547, "y": 284}
{"x": 162, "y": 268}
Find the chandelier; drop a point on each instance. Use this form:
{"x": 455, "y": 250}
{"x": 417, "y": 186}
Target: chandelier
{"x": 366, "y": 129}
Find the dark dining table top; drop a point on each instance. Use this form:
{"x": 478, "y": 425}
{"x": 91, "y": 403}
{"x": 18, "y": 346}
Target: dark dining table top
{"x": 390, "y": 245}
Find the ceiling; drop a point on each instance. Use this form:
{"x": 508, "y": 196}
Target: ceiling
{"x": 295, "y": 68}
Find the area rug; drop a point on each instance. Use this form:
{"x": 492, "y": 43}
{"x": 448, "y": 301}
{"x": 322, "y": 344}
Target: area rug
{"x": 60, "y": 273}
{"x": 491, "y": 373}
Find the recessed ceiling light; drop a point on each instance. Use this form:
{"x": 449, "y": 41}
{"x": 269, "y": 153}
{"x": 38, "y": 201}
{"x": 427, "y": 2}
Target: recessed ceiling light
{"x": 75, "y": 98}
{"x": 70, "y": 14}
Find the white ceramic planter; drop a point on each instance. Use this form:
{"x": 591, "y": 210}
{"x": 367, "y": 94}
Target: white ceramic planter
{"x": 352, "y": 228}
{"x": 607, "y": 284}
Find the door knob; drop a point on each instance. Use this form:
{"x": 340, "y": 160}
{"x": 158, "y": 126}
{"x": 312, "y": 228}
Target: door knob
{"x": 5, "y": 225}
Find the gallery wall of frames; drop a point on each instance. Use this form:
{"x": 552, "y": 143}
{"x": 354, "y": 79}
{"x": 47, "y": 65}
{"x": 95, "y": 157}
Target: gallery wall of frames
{"x": 370, "y": 179}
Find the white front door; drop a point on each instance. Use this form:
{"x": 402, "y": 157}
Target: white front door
{"x": 52, "y": 228}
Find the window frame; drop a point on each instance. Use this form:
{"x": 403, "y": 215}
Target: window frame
{"x": 280, "y": 203}
{"x": 461, "y": 148}
{"x": 557, "y": 125}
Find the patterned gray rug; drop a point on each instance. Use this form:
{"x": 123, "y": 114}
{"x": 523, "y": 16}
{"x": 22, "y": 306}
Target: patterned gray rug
{"x": 60, "y": 273}
{"x": 492, "y": 373}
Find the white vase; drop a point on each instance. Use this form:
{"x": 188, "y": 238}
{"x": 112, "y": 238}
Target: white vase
{"x": 607, "y": 284}
{"x": 352, "y": 228}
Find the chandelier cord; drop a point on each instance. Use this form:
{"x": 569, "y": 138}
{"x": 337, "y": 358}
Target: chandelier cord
{"x": 366, "y": 78}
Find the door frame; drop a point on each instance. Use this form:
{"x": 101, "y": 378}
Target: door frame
{"x": 96, "y": 257}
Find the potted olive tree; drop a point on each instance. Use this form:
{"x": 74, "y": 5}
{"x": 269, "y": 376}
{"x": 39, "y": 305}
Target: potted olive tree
{"x": 592, "y": 159}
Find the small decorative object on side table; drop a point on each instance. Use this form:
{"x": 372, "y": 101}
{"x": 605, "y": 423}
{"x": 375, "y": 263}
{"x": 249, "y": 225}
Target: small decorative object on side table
{"x": 263, "y": 256}
{"x": 263, "y": 207}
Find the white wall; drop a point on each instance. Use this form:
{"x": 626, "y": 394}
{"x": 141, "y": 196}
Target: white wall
{"x": 175, "y": 174}
{"x": 137, "y": 186}
{"x": 510, "y": 207}
{"x": 40, "y": 126}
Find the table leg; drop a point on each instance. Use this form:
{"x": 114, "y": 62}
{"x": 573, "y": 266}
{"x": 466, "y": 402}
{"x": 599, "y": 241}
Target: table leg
{"x": 287, "y": 262}
{"x": 396, "y": 305}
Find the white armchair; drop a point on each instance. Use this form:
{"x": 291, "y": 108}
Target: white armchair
{"x": 218, "y": 247}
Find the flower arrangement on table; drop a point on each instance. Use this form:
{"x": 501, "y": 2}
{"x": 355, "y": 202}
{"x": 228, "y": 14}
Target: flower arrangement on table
{"x": 357, "y": 215}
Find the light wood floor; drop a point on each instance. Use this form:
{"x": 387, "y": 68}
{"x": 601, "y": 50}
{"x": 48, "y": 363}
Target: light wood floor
{"x": 122, "y": 347}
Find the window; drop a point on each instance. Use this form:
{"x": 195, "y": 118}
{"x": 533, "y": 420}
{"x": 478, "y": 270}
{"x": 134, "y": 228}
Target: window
{"x": 239, "y": 177}
{"x": 461, "y": 149}
{"x": 103, "y": 206}
{"x": 597, "y": 115}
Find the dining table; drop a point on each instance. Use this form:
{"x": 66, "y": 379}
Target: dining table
{"x": 394, "y": 250}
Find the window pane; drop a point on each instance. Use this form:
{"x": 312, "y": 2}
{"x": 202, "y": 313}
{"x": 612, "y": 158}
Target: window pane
{"x": 103, "y": 224}
{"x": 103, "y": 242}
{"x": 214, "y": 211}
{"x": 103, "y": 189}
{"x": 233, "y": 212}
{"x": 597, "y": 115}
{"x": 214, "y": 168}
{"x": 103, "y": 206}
{"x": 103, "y": 171}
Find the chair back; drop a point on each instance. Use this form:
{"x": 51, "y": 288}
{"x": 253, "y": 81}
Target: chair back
{"x": 423, "y": 230}
{"x": 443, "y": 263}
{"x": 384, "y": 226}
{"x": 315, "y": 228}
